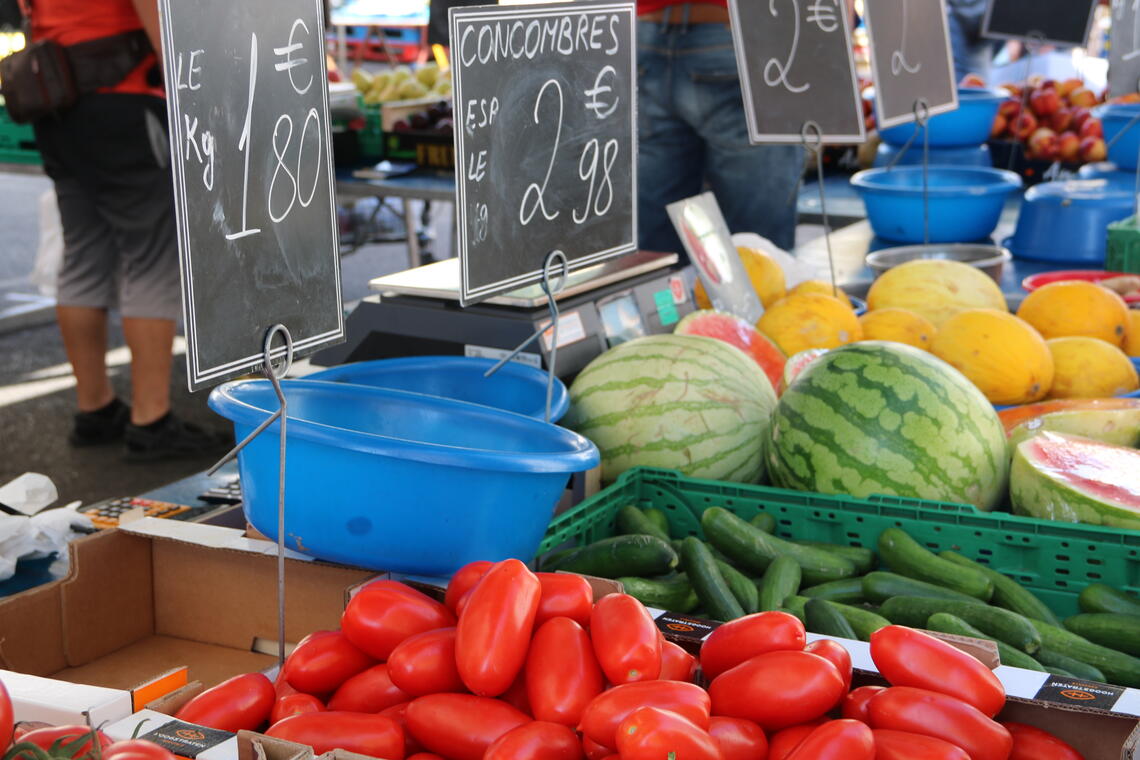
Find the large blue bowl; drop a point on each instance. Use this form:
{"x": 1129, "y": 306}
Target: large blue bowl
{"x": 392, "y": 480}
{"x": 971, "y": 155}
{"x": 1116, "y": 118}
{"x": 1068, "y": 221}
{"x": 514, "y": 387}
{"x": 965, "y": 202}
{"x": 969, "y": 125}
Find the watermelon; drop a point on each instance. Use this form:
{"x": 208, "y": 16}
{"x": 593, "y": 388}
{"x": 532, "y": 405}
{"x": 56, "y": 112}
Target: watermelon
{"x": 1015, "y": 416}
{"x": 1056, "y": 476}
{"x": 1117, "y": 426}
{"x": 689, "y": 403}
{"x": 796, "y": 364}
{"x": 879, "y": 417}
{"x": 736, "y": 332}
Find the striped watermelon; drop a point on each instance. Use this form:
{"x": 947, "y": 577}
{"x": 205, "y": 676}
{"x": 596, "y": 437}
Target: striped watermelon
{"x": 689, "y": 403}
{"x": 878, "y": 417}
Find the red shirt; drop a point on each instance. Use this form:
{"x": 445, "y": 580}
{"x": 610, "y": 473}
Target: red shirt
{"x": 71, "y": 21}
{"x": 651, "y": 6}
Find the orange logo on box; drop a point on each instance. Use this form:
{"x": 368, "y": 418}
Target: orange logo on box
{"x": 679, "y": 627}
{"x": 1082, "y": 696}
{"x": 189, "y": 734}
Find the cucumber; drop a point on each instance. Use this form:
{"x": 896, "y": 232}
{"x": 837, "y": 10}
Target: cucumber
{"x": 905, "y": 556}
{"x": 1100, "y": 597}
{"x": 658, "y": 518}
{"x": 630, "y": 521}
{"x": 1110, "y": 629}
{"x": 878, "y": 586}
{"x": 764, "y": 522}
{"x": 848, "y": 591}
{"x": 1119, "y": 668}
{"x": 1073, "y": 666}
{"x": 863, "y": 559}
{"x": 1060, "y": 671}
{"x": 781, "y": 580}
{"x": 795, "y": 605}
{"x": 550, "y": 560}
{"x": 1013, "y": 629}
{"x": 613, "y": 557}
{"x": 944, "y": 622}
{"x": 741, "y": 587}
{"x": 673, "y": 595}
{"x": 863, "y": 621}
{"x": 753, "y": 549}
{"x": 711, "y": 588}
{"x": 1008, "y": 593}
{"x": 821, "y": 617}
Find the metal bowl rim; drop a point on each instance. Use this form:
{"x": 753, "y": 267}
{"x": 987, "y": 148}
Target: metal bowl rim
{"x": 1000, "y": 256}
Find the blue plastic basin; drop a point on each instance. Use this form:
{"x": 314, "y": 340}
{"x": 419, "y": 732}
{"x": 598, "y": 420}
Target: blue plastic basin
{"x": 971, "y": 155}
{"x": 1116, "y": 118}
{"x": 514, "y": 387}
{"x": 392, "y": 480}
{"x": 1068, "y": 221}
{"x": 970, "y": 124}
{"x": 965, "y": 202}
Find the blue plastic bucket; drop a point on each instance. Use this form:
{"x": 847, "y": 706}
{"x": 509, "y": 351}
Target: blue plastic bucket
{"x": 1116, "y": 118}
{"x": 514, "y": 387}
{"x": 1068, "y": 221}
{"x": 392, "y": 480}
{"x": 969, "y": 124}
{"x": 971, "y": 155}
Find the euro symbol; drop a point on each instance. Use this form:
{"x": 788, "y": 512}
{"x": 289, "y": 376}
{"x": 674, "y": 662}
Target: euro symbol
{"x": 290, "y": 62}
{"x": 823, "y": 13}
{"x": 601, "y": 107}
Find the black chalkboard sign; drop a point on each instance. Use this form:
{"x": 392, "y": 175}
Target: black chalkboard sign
{"x": 1052, "y": 22}
{"x": 911, "y": 58}
{"x": 796, "y": 66}
{"x": 545, "y": 139}
{"x": 254, "y": 191}
{"x": 1124, "y": 54}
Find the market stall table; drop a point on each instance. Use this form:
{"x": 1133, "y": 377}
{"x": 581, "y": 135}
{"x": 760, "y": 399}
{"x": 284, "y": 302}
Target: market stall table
{"x": 423, "y": 184}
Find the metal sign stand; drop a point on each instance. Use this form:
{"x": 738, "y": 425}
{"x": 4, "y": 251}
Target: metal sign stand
{"x": 554, "y": 259}
{"x": 274, "y": 376}
{"x": 921, "y": 117}
{"x": 811, "y": 138}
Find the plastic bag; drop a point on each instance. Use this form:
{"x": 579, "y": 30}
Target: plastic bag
{"x": 49, "y": 254}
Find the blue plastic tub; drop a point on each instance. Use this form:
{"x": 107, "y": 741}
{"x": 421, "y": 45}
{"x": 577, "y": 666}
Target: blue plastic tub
{"x": 965, "y": 202}
{"x": 392, "y": 480}
{"x": 514, "y": 387}
{"x": 969, "y": 125}
{"x": 971, "y": 155}
{"x": 1068, "y": 221}
{"x": 1116, "y": 118}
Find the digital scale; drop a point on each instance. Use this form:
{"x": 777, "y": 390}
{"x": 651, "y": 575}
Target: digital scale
{"x": 416, "y": 313}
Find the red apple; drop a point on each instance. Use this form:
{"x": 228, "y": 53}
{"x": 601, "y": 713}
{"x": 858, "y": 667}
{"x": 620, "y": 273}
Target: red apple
{"x": 1091, "y": 127}
{"x": 999, "y": 127}
{"x": 1066, "y": 86}
{"x": 1043, "y": 144}
{"x": 1093, "y": 149}
{"x": 1083, "y": 96}
{"x": 972, "y": 80}
{"x": 1010, "y": 108}
{"x": 1061, "y": 119}
{"x": 1013, "y": 89}
{"x": 1079, "y": 115}
{"x": 1069, "y": 147}
{"x": 1023, "y": 126}
{"x": 1044, "y": 101}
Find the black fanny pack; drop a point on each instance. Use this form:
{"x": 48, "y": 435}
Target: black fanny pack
{"x": 45, "y": 77}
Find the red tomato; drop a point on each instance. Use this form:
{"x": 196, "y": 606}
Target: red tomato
{"x": 368, "y": 691}
{"x": 75, "y": 741}
{"x": 516, "y": 696}
{"x": 399, "y": 713}
{"x": 601, "y": 717}
{"x": 562, "y": 673}
{"x": 294, "y": 704}
{"x": 855, "y": 703}
{"x": 778, "y": 689}
{"x": 495, "y": 628}
{"x": 1032, "y": 743}
{"x": 461, "y": 726}
{"x": 323, "y": 661}
{"x": 904, "y": 708}
{"x": 676, "y": 663}
{"x": 425, "y": 663}
{"x": 650, "y": 733}
{"x": 626, "y": 640}
{"x": 537, "y": 740}
{"x": 744, "y": 638}
{"x": 595, "y": 751}
{"x": 836, "y": 654}
{"x": 384, "y": 613}
{"x": 784, "y": 742}
{"x": 564, "y": 595}
{"x": 906, "y": 657}
{"x": 464, "y": 580}
{"x": 243, "y": 701}
{"x": 738, "y": 739}
{"x": 365, "y": 733}
{"x": 901, "y": 745}
{"x": 424, "y": 756}
{"x": 7, "y": 719}
{"x": 137, "y": 749}
{"x": 837, "y": 740}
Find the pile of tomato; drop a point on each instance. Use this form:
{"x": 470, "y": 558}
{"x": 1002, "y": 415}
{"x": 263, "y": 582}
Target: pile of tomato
{"x": 28, "y": 741}
{"x": 516, "y": 665}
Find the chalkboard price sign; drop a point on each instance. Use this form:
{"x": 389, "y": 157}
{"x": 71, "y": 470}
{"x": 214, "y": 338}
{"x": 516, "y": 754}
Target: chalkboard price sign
{"x": 796, "y": 66}
{"x": 254, "y": 191}
{"x": 1124, "y": 55}
{"x": 545, "y": 139}
{"x": 1049, "y": 22}
{"x": 911, "y": 59}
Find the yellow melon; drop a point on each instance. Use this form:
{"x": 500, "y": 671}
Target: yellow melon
{"x": 1132, "y": 335}
{"x": 1075, "y": 307}
{"x": 821, "y": 287}
{"x": 1001, "y": 354}
{"x": 1090, "y": 368}
{"x": 935, "y": 288}
{"x": 809, "y": 320}
{"x": 765, "y": 273}
{"x": 899, "y": 325}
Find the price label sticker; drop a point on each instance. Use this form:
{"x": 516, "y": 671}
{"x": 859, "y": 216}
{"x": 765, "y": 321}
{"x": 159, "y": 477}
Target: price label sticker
{"x": 666, "y": 307}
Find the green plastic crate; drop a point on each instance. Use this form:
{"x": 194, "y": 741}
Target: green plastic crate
{"x": 1123, "y": 252}
{"x": 17, "y": 141}
{"x": 1056, "y": 560}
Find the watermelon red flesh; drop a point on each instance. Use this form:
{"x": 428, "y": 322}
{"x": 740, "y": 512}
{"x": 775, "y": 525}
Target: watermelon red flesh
{"x": 737, "y": 332}
{"x": 796, "y": 364}
{"x": 1100, "y": 470}
{"x": 1016, "y": 415}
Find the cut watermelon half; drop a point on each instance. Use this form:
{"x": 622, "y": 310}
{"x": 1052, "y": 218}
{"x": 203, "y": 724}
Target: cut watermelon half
{"x": 737, "y": 332}
{"x": 1073, "y": 479}
{"x": 1015, "y": 416}
{"x": 796, "y": 364}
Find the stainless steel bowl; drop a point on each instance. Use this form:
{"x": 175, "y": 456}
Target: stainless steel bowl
{"x": 988, "y": 258}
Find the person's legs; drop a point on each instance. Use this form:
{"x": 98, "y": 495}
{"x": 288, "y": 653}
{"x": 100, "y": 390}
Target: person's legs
{"x": 84, "y": 331}
{"x": 151, "y": 342}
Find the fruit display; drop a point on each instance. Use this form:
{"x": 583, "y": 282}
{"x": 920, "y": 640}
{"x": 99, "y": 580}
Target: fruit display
{"x": 1112, "y": 420}
{"x": 1055, "y": 123}
{"x": 437, "y": 119}
{"x": 899, "y": 325}
{"x": 936, "y": 289}
{"x": 402, "y": 83}
{"x": 736, "y": 331}
{"x": 763, "y": 271}
{"x": 1090, "y": 368}
{"x": 1076, "y": 307}
{"x": 800, "y": 321}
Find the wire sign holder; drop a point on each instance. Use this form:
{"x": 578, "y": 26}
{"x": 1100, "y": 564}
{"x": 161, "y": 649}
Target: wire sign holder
{"x": 921, "y": 117}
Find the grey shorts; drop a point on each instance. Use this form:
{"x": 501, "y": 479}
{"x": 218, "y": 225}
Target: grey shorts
{"x": 108, "y": 157}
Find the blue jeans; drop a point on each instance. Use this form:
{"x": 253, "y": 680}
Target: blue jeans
{"x": 692, "y": 133}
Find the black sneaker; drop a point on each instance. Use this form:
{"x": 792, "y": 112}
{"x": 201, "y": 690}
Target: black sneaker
{"x": 172, "y": 437}
{"x": 100, "y": 426}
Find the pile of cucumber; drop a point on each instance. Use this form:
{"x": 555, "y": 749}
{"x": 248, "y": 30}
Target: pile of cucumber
{"x": 836, "y": 590}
